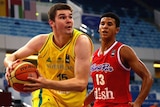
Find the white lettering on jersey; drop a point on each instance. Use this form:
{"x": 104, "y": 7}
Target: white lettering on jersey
{"x": 105, "y": 94}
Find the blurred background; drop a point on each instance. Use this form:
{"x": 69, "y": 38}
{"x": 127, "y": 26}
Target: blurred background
{"x": 20, "y": 20}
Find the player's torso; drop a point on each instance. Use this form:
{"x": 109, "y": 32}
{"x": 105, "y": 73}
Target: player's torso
{"x": 58, "y": 64}
{"x": 110, "y": 78}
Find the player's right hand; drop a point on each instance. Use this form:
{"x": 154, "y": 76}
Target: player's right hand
{"x": 10, "y": 68}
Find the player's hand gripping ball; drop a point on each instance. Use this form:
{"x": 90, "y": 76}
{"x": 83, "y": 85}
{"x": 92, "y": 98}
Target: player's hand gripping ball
{"x": 19, "y": 75}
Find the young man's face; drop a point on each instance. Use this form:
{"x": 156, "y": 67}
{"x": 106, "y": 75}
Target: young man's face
{"x": 107, "y": 27}
{"x": 63, "y": 21}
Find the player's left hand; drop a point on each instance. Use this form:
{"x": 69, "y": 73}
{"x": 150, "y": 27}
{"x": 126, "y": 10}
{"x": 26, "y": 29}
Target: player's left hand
{"x": 36, "y": 83}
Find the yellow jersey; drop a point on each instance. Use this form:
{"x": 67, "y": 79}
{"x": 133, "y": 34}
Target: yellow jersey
{"x": 58, "y": 64}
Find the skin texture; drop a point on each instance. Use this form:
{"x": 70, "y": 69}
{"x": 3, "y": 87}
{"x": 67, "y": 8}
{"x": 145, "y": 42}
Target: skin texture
{"x": 63, "y": 28}
{"x": 108, "y": 31}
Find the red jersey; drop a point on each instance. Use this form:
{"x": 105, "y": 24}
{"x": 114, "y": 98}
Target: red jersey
{"x": 110, "y": 77}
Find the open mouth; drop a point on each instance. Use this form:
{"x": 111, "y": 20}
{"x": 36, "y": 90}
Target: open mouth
{"x": 104, "y": 32}
{"x": 69, "y": 27}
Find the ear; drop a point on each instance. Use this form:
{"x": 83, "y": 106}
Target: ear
{"x": 51, "y": 23}
{"x": 118, "y": 29}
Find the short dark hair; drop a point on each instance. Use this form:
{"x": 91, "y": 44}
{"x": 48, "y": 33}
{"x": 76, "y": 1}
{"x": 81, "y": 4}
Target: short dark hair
{"x": 114, "y": 16}
{"x": 57, "y": 6}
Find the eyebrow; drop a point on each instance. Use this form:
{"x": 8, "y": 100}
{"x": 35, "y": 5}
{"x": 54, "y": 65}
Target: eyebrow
{"x": 64, "y": 14}
{"x": 61, "y": 14}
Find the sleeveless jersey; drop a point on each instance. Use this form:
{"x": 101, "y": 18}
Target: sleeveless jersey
{"x": 110, "y": 77}
{"x": 58, "y": 64}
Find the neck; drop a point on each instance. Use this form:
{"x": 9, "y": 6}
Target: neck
{"x": 106, "y": 45}
{"x": 61, "y": 40}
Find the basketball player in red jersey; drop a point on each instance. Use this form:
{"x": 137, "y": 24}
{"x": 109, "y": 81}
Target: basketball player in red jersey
{"x": 110, "y": 70}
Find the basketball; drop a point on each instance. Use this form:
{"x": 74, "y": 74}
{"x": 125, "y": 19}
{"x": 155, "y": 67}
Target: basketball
{"x": 20, "y": 73}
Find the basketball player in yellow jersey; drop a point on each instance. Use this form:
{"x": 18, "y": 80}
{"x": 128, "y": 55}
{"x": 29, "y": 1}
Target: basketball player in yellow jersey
{"x": 63, "y": 62}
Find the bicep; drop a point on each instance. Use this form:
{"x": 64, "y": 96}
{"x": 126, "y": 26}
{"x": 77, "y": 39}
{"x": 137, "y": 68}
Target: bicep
{"x": 28, "y": 49}
{"x": 23, "y": 52}
{"x": 134, "y": 62}
{"x": 83, "y": 52}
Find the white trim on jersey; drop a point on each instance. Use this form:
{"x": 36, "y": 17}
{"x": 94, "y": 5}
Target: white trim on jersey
{"x": 119, "y": 60}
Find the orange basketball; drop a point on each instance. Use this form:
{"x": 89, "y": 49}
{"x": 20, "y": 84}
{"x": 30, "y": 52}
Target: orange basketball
{"x": 20, "y": 73}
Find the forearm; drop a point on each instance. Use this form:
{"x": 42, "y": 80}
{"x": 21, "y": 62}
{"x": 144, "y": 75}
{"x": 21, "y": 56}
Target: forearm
{"x": 145, "y": 88}
{"x": 9, "y": 60}
{"x": 67, "y": 85}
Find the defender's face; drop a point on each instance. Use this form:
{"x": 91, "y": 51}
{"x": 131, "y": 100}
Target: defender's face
{"x": 107, "y": 28}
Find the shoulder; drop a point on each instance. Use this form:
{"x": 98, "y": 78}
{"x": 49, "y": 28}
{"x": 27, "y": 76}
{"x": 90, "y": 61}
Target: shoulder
{"x": 84, "y": 40}
{"x": 41, "y": 37}
{"x": 84, "y": 45}
{"x": 80, "y": 34}
{"x": 84, "y": 37}
{"x": 38, "y": 41}
{"x": 126, "y": 49}
{"x": 127, "y": 54}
